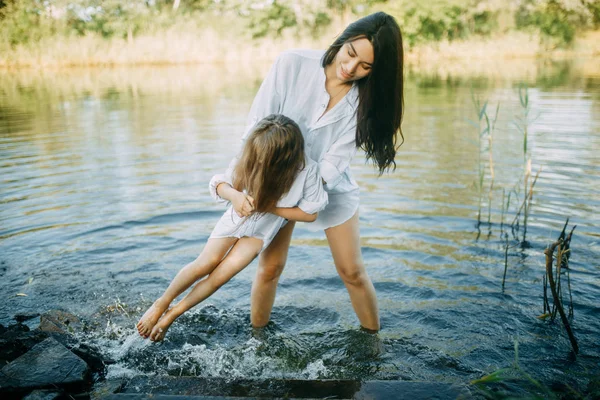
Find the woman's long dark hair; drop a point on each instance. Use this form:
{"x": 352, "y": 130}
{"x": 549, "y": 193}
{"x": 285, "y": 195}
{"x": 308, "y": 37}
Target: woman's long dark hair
{"x": 380, "y": 98}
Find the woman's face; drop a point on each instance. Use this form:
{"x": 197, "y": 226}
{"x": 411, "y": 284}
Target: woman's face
{"x": 354, "y": 60}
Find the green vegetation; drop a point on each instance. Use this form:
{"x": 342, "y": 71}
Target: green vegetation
{"x": 556, "y": 21}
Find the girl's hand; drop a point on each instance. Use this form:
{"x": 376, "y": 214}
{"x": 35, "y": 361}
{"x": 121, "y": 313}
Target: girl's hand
{"x": 243, "y": 204}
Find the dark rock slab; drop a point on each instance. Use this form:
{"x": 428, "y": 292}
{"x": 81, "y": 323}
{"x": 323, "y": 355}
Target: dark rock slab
{"x": 410, "y": 390}
{"x": 43, "y": 395}
{"x": 289, "y": 388}
{"x": 274, "y": 388}
{"x": 91, "y": 356}
{"x": 593, "y": 388}
{"x": 47, "y": 364}
{"x": 172, "y": 397}
{"x": 16, "y": 340}
{"x": 103, "y": 389}
{"x": 25, "y": 317}
{"x": 58, "y": 321}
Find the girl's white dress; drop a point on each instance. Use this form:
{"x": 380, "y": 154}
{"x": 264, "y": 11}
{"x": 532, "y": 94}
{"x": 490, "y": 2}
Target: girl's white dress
{"x": 295, "y": 87}
{"x": 307, "y": 193}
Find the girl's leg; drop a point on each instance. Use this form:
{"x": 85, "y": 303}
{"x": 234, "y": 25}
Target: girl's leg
{"x": 211, "y": 256}
{"x": 270, "y": 266}
{"x": 243, "y": 252}
{"x": 344, "y": 241}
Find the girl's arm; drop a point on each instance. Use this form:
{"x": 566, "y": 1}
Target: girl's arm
{"x": 242, "y": 203}
{"x": 294, "y": 214}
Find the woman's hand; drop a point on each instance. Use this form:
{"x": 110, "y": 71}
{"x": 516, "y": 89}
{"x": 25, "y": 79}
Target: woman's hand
{"x": 294, "y": 214}
{"x": 243, "y": 204}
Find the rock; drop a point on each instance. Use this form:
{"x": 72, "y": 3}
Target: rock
{"x": 269, "y": 388}
{"x": 170, "y": 387}
{"x": 593, "y": 389}
{"x": 43, "y": 395}
{"x": 17, "y": 340}
{"x": 59, "y": 322}
{"x": 47, "y": 364}
{"x": 91, "y": 356}
{"x": 25, "y": 317}
{"x": 410, "y": 390}
{"x": 105, "y": 388}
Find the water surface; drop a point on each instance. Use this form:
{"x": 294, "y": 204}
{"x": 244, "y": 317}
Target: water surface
{"x": 104, "y": 196}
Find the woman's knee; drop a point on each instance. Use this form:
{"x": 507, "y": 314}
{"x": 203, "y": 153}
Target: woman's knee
{"x": 270, "y": 270}
{"x": 353, "y": 274}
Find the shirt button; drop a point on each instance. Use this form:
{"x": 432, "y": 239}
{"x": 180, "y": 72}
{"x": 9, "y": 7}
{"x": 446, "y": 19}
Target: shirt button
{"x": 309, "y": 144}
{"x": 323, "y": 105}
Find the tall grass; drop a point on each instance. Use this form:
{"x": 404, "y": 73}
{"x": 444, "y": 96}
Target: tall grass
{"x": 142, "y": 36}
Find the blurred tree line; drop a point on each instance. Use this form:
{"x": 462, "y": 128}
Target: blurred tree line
{"x": 558, "y": 21}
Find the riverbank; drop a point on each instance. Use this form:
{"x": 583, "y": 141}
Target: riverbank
{"x": 207, "y": 46}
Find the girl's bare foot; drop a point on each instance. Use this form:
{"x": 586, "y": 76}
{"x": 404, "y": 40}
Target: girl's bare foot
{"x": 150, "y": 318}
{"x": 160, "y": 329}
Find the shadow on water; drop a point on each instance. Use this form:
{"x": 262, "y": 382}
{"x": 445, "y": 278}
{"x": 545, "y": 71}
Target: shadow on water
{"x": 104, "y": 198}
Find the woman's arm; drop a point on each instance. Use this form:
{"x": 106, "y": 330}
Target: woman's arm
{"x": 294, "y": 214}
{"x": 338, "y": 157}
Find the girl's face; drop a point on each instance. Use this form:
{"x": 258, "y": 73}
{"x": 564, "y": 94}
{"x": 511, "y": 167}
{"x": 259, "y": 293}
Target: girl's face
{"x": 354, "y": 60}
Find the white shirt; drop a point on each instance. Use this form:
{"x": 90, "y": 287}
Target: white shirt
{"x": 307, "y": 193}
{"x": 295, "y": 87}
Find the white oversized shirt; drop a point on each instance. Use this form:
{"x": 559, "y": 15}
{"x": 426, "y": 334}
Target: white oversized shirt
{"x": 295, "y": 87}
{"x": 306, "y": 193}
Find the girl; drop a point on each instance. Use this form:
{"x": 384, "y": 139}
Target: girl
{"x": 347, "y": 97}
{"x": 271, "y": 182}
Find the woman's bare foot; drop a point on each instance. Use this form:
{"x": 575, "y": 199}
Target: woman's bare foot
{"x": 160, "y": 329}
{"x": 150, "y": 318}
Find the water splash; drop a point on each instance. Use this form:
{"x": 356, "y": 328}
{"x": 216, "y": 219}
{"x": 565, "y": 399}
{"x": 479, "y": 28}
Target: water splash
{"x": 316, "y": 370}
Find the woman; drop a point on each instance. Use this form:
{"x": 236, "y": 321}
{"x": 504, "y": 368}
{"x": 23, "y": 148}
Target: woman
{"x": 349, "y": 97}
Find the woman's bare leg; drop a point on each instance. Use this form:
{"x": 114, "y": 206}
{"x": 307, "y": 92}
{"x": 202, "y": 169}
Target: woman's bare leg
{"x": 209, "y": 258}
{"x": 270, "y": 266}
{"x": 243, "y": 252}
{"x": 344, "y": 242}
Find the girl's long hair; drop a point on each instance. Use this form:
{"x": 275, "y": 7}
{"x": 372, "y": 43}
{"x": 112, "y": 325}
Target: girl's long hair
{"x": 381, "y": 93}
{"x": 273, "y": 155}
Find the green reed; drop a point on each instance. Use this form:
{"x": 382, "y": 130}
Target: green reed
{"x": 556, "y": 265}
{"x": 485, "y": 139}
{"x": 514, "y": 372}
{"x": 522, "y": 123}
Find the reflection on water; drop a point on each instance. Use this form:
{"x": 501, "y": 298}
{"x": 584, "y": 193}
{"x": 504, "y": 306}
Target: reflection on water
{"x": 104, "y": 197}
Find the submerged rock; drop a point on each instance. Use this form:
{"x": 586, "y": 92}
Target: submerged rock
{"x": 106, "y": 388}
{"x": 17, "y": 340}
{"x": 25, "y": 317}
{"x": 47, "y": 364}
{"x": 59, "y": 322}
{"x": 43, "y": 395}
{"x": 411, "y": 390}
{"x": 169, "y": 387}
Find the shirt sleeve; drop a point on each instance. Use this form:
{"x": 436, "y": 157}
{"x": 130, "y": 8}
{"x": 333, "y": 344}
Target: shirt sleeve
{"x": 314, "y": 196}
{"x": 337, "y": 159}
{"x": 212, "y": 187}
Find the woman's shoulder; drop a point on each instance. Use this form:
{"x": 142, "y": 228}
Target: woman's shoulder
{"x": 300, "y": 56}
